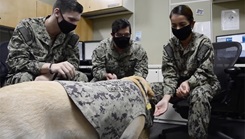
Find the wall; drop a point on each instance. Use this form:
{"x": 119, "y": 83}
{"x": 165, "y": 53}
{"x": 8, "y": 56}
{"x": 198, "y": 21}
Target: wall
{"x": 151, "y": 19}
{"x": 102, "y": 26}
{"x": 218, "y": 7}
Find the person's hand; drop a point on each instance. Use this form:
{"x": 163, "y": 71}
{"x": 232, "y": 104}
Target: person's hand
{"x": 45, "y": 77}
{"x": 64, "y": 69}
{"x": 161, "y": 107}
{"x": 110, "y": 76}
{"x": 183, "y": 90}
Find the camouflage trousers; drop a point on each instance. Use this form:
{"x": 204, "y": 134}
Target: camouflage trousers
{"x": 199, "y": 111}
{"x": 25, "y": 76}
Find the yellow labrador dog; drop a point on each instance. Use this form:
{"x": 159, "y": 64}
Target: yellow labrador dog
{"x": 44, "y": 110}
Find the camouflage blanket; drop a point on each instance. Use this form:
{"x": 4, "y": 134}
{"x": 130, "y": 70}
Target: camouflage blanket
{"x": 108, "y": 105}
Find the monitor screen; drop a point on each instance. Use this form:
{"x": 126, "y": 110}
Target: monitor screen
{"x": 89, "y": 47}
{"x": 239, "y": 37}
{"x": 233, "y": 37}
{"x": 80, "y": 47}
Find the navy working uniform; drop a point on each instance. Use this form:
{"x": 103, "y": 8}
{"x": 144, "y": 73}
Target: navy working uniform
{"x": 195, "y": 65}
{"x": 31, "y": 46}
{"x": 105, "y": 59}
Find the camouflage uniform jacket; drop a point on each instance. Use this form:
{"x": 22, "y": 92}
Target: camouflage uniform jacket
{"x": 109, "y": 106}
{"x": 194, "y": 64}
{"x": 28, "y": 53}
{"x": 106, "y": 59}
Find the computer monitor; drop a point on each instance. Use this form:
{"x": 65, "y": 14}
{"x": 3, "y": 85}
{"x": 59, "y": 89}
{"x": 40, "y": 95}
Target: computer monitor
{"x": 80, "y": 47}
{"x": 89, "y": 47}
{"x": 239, "y": 37}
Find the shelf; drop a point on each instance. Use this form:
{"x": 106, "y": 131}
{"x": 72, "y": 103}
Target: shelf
{"x": 221, "y": 1}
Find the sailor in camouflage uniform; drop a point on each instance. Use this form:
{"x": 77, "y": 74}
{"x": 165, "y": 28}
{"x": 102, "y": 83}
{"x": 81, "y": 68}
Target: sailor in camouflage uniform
{"x": 187, "y": 68}
{"x": 118, "y": 56}
{"x": 43, "y": 46}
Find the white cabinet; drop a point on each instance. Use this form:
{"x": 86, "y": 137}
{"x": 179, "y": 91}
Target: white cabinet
{"x": 154, "y": 73}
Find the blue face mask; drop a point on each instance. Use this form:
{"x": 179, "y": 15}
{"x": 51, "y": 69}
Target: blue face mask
{"x": 182, "y": 33}
{"x": 65, "y": 26}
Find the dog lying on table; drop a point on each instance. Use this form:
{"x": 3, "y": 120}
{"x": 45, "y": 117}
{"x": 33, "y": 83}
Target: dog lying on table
{"x": 74, "y": 110}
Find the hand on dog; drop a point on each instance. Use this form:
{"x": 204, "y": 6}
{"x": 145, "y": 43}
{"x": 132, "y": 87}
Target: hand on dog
{"x": 65, "y": 69}
{"x": 45, "y": 77}
{"x": 110, "y": 76}
{"x": 183, "y": 90}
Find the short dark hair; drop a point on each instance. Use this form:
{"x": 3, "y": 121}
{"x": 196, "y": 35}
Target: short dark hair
{"x": 68, "y": 6}
{"x": 183, "y": 10}
{"x": 120, "y": 24}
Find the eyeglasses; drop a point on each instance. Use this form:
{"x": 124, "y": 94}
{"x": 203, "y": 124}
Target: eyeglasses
{"x": 122, "y": 34}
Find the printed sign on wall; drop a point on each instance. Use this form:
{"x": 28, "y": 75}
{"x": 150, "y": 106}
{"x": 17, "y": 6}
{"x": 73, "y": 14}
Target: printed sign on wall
{"x": 230, "y": 19}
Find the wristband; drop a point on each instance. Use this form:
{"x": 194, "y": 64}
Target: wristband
{"x": 50, "y": 71}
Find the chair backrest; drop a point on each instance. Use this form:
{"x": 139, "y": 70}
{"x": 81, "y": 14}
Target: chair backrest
{"x": 225, "y": 56}
{"x": 4, "y": 51}
{"x": 3, "y": 56}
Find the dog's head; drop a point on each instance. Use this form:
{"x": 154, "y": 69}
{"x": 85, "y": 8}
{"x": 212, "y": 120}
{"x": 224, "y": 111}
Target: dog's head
{"x": 141, "y": 82}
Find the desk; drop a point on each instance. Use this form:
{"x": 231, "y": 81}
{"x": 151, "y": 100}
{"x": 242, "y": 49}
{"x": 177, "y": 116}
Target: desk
{"x": 87, "y": 69}
{"x": 240, "y": 65}
{"x": 156, "y": 66}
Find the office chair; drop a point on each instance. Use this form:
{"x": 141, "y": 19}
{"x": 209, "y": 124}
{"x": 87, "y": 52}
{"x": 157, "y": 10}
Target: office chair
{"x": 3, "y": 57}
{"x": 224, "y": 104}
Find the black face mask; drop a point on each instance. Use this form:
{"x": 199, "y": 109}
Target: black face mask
{"x": 182, "y": 33}
{"x": 121, "y": 42}
{"x": 65, "y": 26}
